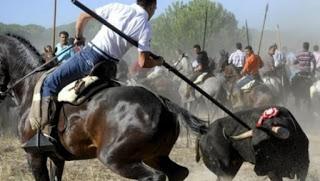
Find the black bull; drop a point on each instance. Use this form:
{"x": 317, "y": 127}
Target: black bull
{"x": 276, "y": 157}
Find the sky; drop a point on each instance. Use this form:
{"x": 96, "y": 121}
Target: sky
{"x": 289, "y": 14}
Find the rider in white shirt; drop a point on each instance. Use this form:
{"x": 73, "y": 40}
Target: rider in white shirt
{"x": 237, "y": 58}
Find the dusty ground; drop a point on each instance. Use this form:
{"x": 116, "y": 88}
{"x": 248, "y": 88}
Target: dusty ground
{"x": 13, "y": 165}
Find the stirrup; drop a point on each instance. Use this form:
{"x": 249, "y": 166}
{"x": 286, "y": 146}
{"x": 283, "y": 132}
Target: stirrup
{"x": 40, "y": 142}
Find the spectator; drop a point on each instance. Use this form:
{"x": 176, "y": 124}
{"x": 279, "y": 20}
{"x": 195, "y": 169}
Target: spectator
{"x": 62, "y": 46}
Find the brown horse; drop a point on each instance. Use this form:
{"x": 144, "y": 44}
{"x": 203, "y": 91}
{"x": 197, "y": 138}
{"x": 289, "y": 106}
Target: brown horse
{"x": 129, "y": 129}
{"x": 257, "y": 96}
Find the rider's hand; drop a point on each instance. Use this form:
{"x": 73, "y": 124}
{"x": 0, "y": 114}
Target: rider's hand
{"x": 79, "y": 40}
{"x": 159, "y": 61}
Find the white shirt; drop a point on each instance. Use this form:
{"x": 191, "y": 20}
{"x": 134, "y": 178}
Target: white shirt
{"x": 132, "y": 20}
{"x": 237, "y": 58}
{"x": 317, "y": 57}
{"x": 195, "y": 64}
{"x": 279, "y": 58}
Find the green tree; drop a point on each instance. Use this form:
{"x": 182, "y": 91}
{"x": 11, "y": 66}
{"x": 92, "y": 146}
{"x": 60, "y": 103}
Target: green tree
{"x": 182, "y": 25}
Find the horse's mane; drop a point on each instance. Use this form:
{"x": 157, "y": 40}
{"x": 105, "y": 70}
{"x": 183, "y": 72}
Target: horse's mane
{"x": 27, "y": 43}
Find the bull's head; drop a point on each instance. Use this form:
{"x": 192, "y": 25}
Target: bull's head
{"x": 277, "y": 127}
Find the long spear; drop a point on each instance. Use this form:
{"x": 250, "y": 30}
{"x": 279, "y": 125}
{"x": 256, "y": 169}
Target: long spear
{"x": 279, "y": 37}
{"x": 166, "y": 65}
{"x": 205, "y": 28}
{"x": 264, "y": 22}
{"x": 247, "y": 32}
{"x": 54, "y": 24}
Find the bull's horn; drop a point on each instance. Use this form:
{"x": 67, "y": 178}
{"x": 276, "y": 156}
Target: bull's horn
{"x": 242, "y": 136}
{"x": 281, "y": 132}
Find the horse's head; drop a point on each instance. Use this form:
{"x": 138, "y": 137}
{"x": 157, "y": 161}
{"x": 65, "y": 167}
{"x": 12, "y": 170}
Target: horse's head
{"x": 224, "y": 56}
{"x": 230, "y": 73}
{"x": 17, "y": 58}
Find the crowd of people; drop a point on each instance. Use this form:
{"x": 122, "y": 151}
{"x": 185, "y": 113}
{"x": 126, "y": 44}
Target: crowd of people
{"x": 279, "y": 63}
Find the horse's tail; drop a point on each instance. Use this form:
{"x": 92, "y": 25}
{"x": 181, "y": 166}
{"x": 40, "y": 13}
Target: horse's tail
{"x": 197, "y": 125}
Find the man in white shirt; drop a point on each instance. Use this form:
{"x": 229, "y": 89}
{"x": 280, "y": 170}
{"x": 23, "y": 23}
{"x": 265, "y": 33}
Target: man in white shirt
{"x": 237, "y": 58}
{"x": 196, "y": 50}
{"x": 133, "y": 20}
{"x": 316, "y": 54}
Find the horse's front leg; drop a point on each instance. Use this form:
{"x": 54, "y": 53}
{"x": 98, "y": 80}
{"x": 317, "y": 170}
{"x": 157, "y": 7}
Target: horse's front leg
{"x": 37, "y": 163}
{"x": 56, "y": 169}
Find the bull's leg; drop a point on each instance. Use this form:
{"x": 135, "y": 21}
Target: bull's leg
{"x": 56, "y": 169}
{"x": 37, "y": 163}
{"x": 229, "y": 172}
{"x": 274, "y": 176}
{"x": 174, "y": 171}
{"x": 303, "y": 172}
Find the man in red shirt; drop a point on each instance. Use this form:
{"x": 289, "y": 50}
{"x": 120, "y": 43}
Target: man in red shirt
{"x": 252, "y": 64}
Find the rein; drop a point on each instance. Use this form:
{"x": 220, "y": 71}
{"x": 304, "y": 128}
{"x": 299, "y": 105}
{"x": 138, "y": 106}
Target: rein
{"x": 36, "y": 70}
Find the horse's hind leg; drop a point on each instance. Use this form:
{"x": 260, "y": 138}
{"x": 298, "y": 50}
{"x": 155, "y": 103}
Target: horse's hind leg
{"x": 174, "y": 171}
{"x": 136, "y": 170}
{"x": 38, "y": 164}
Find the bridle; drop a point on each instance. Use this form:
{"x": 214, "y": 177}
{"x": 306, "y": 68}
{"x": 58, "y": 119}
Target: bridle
{"x": 8, "y": 90}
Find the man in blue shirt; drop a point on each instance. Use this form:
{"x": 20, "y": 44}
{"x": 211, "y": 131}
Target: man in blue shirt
{"x": 62, "y": 45}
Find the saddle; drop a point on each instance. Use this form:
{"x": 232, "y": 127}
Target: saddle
{"x": 81, "y": 90}
{"x": 202, "y": 77}
{"x": 246, "y": 83}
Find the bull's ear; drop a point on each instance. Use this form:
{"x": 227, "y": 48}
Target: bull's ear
{"x": 280, "y": 132}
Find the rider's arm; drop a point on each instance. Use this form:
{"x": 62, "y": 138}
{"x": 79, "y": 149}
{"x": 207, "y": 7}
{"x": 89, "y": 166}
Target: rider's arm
{"x": 81, "y": 23}
{"x": 146, "y": 61}
{"x": 245, "y": 69}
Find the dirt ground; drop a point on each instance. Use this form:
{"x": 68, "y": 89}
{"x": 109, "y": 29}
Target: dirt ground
{"x": 13, "y": 165}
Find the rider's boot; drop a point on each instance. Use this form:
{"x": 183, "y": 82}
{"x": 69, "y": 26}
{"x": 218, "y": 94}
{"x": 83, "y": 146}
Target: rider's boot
{"x": 43, "y": 141}
{"x": 48, "y": 111}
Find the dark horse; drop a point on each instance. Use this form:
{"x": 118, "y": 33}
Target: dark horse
{"x": 300, "y": 86}
{"x": 259, "y": 95}
{"x": 129, "y": 129}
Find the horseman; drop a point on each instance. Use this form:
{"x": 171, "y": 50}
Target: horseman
{"x": 237, "y": 58}
{"x": 196, "y": 50}
{"x": 316, "y": 54}
{"x": 252, "y": 64}
{"x": 269, "y": 63}
{"x": 304, "y": 60}
{"x": 202, "y": 69}
{"x": 249, "y": 73}
{"x": 302, "y": 80}
{"x": 106, "y": 47}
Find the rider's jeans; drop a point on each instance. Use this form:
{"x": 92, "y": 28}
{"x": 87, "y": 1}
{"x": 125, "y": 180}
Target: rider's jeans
{"x": 73, "y": 69}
